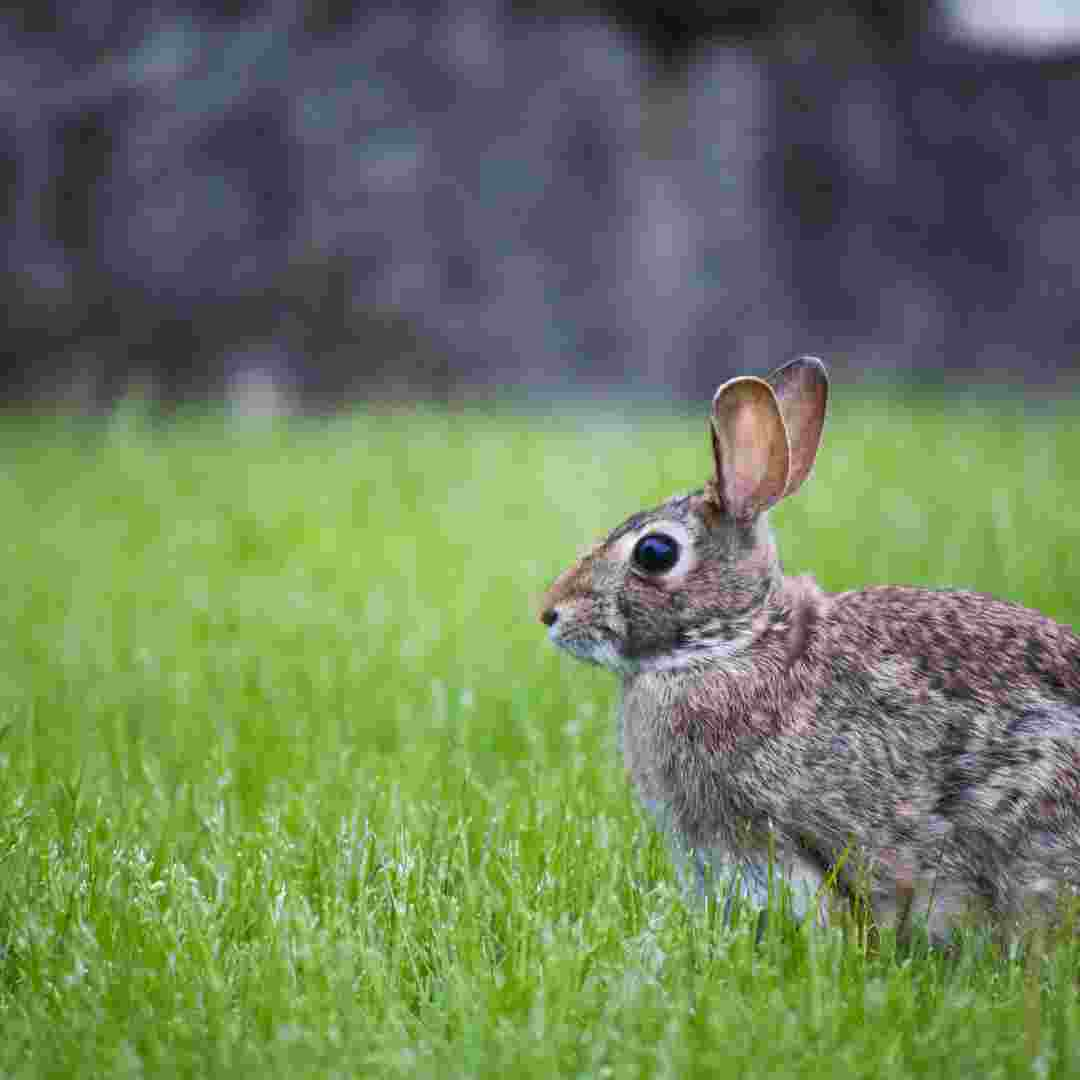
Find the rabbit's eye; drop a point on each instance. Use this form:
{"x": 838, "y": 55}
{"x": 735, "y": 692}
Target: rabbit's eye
{"x": 656, "y": 553}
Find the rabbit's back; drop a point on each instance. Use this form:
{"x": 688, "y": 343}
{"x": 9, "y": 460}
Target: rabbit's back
{"x": 961, "y": 645}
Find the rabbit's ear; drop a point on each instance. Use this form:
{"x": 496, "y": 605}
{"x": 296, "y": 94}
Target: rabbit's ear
{"x": 750, "y": 447}
{"x": 802, "y": 391}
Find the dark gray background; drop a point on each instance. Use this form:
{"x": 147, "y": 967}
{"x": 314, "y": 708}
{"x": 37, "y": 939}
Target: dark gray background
{"x": 386, "y": 200}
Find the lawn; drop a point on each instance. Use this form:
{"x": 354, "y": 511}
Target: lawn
{"x": 292, "y": 783}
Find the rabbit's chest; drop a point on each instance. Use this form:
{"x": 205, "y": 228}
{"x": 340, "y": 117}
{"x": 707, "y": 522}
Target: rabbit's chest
{"x": 672, "y": 760}
{"x": 698, "y": 797}
{"x": 643, "y": 742}
{"x": 660, "y": 759}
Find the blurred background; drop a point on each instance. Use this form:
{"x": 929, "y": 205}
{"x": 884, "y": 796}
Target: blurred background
{"x": 317, "y": 202}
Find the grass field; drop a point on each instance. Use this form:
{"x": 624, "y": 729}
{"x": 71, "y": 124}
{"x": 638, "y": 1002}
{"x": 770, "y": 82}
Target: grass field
{"x": 292, "y": 783}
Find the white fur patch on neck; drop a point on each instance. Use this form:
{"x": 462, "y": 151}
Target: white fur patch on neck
{"x": 703, "y": 654}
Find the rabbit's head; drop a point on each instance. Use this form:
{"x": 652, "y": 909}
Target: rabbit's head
{"x": 681, "y": 584}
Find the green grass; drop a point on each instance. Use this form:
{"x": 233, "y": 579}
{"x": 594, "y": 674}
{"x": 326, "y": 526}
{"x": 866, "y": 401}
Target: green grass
{"x": 291, "y": 781}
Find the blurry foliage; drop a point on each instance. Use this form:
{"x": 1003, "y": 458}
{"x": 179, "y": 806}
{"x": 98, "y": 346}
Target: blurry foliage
{"x": 358, "y": 199}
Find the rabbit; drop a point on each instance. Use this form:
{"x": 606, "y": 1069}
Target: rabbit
{"x": 916, "y": 750}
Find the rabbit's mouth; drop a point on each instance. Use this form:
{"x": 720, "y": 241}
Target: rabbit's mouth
{"x": 597, "y": 645}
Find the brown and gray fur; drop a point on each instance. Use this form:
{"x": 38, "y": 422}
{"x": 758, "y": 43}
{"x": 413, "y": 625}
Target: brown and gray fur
{"x": 923, "y": 747}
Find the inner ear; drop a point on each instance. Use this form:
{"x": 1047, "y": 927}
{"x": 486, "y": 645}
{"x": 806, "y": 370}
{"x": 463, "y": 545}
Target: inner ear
{"x": 750, "y": 447}
{"x": 802, "y": 392}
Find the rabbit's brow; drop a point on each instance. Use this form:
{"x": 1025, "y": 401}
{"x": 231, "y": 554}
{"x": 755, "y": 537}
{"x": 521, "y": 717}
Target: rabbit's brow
{"x": 672, "y": 508}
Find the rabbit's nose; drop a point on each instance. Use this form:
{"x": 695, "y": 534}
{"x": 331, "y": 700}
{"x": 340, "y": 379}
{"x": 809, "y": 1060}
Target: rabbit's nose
{"x": 549, "y": 617}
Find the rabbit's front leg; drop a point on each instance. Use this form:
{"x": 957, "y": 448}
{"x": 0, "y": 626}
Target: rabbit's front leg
{"x": 746, "y": 878}
{"x": 753, "y": 878}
